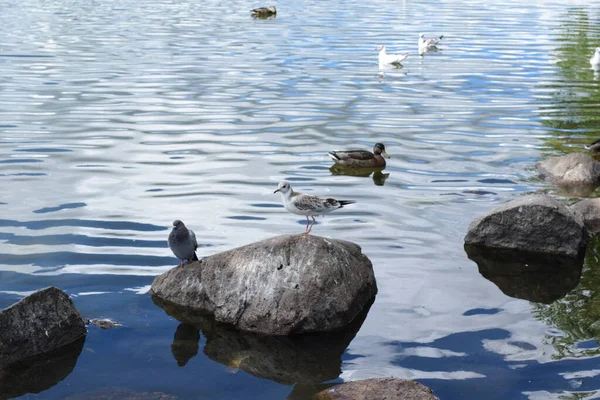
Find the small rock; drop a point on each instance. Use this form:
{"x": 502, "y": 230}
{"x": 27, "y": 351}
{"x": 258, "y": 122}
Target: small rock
{"x": 534, "y": 223}
{"x": 104, "y": 323}
{"x": 380, "y": 389}
{"x": 283, "y": 285}
{"x": 589, "y": 211}
{"x": 571, "y": 169}
{"x": 39, "y": 323}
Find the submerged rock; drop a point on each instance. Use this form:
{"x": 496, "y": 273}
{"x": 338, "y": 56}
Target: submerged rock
{"x": 589, "y": 211}
{"x": 283, "y": 285}
{"x": 379, "y": 388}
{"x": 39, "y": 323}
{"x": 104, "y": 323}
{"x": 541, "y": 278}
{"x": 535, "y": 223}
{"x": 571, "y": 169}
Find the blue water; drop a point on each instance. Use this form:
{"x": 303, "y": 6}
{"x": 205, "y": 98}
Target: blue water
{"x": 118, "y": 117}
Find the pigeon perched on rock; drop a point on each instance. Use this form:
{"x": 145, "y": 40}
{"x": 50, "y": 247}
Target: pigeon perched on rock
{"x": 182, "y": 242}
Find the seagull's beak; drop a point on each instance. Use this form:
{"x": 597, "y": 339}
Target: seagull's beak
{"x": 385, "y": 154}
{"x": 276, "y": 190}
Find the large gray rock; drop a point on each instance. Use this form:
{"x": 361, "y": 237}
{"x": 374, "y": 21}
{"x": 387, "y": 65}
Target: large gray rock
{"x": 589, "y": 211}
{"x": 377, "y": 388}
{"x": 39, "y": 323}
{"x": 535, "y": 223}
{"x": 283, "y": 285}
{"x": 571, "y": 169}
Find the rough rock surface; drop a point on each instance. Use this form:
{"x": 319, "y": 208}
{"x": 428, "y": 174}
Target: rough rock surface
{"x": 571, "y": 169}
{"x": 39, "y": 323}
{"x": 589, "y": 211}
{"x": 283, "y": 285}
{"x": 380, "y": 389}
{"x": 535, "y": 223}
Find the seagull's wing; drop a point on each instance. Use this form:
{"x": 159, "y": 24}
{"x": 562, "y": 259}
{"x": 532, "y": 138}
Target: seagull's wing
{"x": 306, "y": 202}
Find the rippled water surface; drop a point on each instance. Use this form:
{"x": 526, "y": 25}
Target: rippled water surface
{"x": 117, "y": 117}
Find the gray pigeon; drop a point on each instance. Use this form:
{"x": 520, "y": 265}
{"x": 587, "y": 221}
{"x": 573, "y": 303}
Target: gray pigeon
{"x": 182, "y": 242}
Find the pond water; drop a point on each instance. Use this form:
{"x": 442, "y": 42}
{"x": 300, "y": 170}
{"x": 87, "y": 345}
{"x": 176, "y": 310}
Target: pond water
{"x": 117, "y": 117}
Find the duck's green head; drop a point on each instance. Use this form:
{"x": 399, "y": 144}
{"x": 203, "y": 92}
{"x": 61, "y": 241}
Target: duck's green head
{"x": 379, "y": 148}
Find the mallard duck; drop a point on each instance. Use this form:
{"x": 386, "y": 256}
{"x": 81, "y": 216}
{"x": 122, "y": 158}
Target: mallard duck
{"x": 428, "y": 44}
{"x": 361, "y": 158}
{"x": 595, "y": 146}
{"x": 595, "y": 60}
{"x": 263, "y": 12}
{"x": 389, "y": 59}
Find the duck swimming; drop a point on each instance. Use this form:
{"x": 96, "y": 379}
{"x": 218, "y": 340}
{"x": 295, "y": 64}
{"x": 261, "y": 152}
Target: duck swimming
{"x": 361, "y": 158}
{"x": 264, "y": 12}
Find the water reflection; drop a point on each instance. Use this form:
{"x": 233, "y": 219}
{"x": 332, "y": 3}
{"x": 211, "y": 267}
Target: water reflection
{"x": 40, "y": 373}
{"x": 376, "y": 174}
{"x": 185, "y": 343}
{"x": 304, "y": 359}
{"x": 577, "y": 315}
{"x": 573, "y": 109}
{"x": 539, "y": 278}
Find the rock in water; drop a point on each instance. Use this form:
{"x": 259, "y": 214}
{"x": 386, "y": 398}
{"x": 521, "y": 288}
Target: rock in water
{"x": 39, "y": 323}
{"x": 589, "y": 211}
{"x": 535, "y": 223}
{"x": 572, "y": 169}
{"x": 283, "y": 285}
{"x": 377, "y": 388}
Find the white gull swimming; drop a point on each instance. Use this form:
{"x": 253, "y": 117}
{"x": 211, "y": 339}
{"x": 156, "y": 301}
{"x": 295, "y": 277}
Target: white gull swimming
{"x": 389, "y": 59}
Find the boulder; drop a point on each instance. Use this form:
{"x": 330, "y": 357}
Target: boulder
{"x": 39, "y": 323}
{"x": 589, "y": 211}
{"x": 571, "y": 169}
{"x": 378, "y": 388}
{"x": 540, "y": 278}
{"x": 283, "y": 285}
{"x": 534, "y": 223}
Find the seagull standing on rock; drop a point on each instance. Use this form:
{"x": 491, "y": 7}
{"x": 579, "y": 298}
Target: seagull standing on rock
{"x": 307, "y": 205}
{"x": 182, "y": 242}
{"x": 389, "y": 59}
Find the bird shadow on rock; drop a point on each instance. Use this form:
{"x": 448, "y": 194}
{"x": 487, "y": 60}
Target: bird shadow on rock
{"x": 41, "y": 372}
{"x": 378, "y": 176}
{"x": 537, "y": 277}
{"x": 304, "y": 359}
